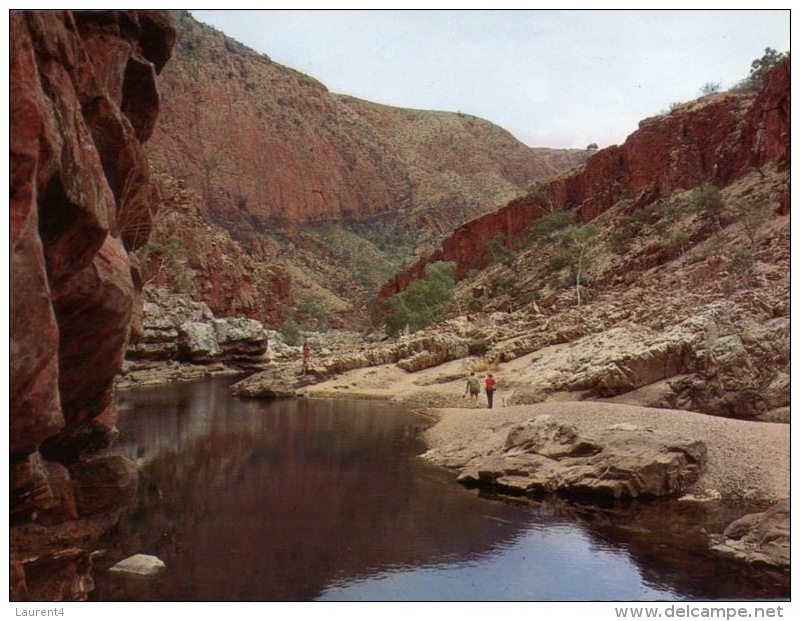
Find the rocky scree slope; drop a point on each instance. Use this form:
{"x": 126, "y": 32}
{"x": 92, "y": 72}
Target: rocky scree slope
{"x": 684, "y": 302}
{"x": 714, "y": 140}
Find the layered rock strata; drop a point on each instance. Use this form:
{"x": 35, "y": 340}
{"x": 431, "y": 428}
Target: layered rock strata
{"x": 409, "y": 354}
{"x": 182, "y": 339}
{"x": 83, "y": 99}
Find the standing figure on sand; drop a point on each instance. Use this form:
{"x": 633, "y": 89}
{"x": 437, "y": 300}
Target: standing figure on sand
{"x": 473, "y": 387}
{"x": 490, "y": 388}
{"x": 306, "y": 357}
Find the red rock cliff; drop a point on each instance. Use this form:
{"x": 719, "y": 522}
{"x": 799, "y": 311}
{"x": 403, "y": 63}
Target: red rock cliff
{"x": 265, "y": 144}
{"x": 271, "y": 157}
{"x": 716, "y": 139}
{"x": 83, "y": 99}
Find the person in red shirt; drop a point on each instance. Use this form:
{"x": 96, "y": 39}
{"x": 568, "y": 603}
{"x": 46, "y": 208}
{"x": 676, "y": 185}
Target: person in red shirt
{"x": 306, "y": 357}
{"x": 490, "y": 387}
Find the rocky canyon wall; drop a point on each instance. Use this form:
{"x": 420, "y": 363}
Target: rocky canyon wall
{"x": 83, "y": 100}
{"x": 266, "y": 145}
{"x": 270, "y": 157}
{"x": 715, "y": 140}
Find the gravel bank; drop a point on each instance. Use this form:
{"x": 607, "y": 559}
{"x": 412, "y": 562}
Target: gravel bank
{"x": 746, "y": 459}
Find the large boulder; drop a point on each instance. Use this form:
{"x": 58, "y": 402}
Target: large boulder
{"x": 175, "y": 327}
{"x": 542, "y": 456}
{"x": 759, "y": 538}
{"x": 278, "y": 382}
{"x": 139, "y": 566}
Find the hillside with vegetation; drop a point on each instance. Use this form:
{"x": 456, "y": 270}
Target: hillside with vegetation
{"x": 658, "y": 273}
{"x": 334, "y": 193}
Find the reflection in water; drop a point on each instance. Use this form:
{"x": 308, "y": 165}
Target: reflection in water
{"x": 540, "y": 563}
{"x": 301, "y": 500}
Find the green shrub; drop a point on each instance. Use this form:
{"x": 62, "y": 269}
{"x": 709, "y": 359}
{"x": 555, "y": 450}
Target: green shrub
{"x": 659, "y": 215}
{"x": 575, "y": 243}
{"x": 548, "y": 225}
{"x": 709, "y": 88}
{"x": 500, "y": 252}
{"x": 424, "y": 302}
{"x": 475, "y": 305}
{"x": 708, "y": 201}
{"x": 677, "y": 239}
{"x": 559, "y": 261}
{"x": 503, "y": 284}
{"x": 759, "y": 69}
{"x": 478, "y": 347}
{"x": 752, "y": 218}
{"x": 291, "y": 331}
{"x": 174, "y": 257}
{"x": 621, "y": 239}
{"x": 312, "y": 307}
{"x": 539, "y": 195}
{"x": 742, "y": 261}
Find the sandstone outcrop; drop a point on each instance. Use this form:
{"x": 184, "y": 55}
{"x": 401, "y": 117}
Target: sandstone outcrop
{"x": 84, "y": 98}
{"x": 714, "y": 358}
{"x": 176, "y": 327}
{"x": 183, "y": 339}
{"x": 410, "y": 354}
{"x": 714, "y": 362}
{"x": 759, "y": 538}
{"x": 542, "y": 456}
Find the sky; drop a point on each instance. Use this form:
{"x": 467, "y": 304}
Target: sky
{"x": 553, "y": 78}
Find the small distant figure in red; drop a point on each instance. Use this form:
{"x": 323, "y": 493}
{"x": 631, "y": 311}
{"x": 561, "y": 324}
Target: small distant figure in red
{"x": 490, "y": 387}
{"x": 306, "y": 357}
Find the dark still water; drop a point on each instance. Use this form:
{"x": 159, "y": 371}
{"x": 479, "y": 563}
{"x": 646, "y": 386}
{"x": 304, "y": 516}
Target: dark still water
{"x": 327, "y": 500}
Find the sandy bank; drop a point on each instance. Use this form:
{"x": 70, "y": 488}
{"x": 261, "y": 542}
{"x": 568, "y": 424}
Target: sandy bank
{"x": 746, "y": 459}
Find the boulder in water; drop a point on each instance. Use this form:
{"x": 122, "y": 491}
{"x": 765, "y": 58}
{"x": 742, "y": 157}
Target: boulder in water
{"x": 139, "y": 566}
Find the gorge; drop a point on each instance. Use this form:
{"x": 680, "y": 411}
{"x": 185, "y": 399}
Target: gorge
{"x": 149, "y": 152}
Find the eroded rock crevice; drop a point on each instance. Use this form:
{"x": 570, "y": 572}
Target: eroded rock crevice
{"x": 73, "y": 291}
